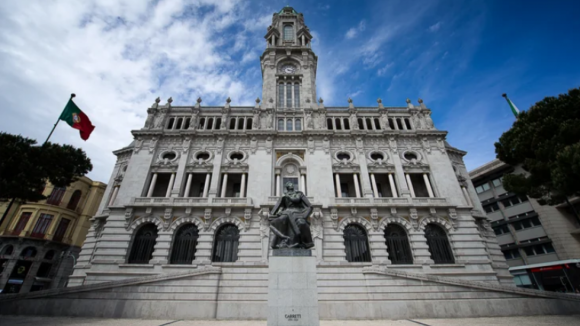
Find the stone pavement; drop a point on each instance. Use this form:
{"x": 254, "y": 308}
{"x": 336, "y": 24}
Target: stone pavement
{"x": 495, "y": 321}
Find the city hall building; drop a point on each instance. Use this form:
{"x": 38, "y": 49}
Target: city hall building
{"x": 183, "y": 229}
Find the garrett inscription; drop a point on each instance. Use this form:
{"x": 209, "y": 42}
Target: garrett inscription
{"x": 293, "y": 317}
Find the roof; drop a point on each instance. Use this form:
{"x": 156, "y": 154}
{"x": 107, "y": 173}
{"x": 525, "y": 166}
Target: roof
{"x": 286, "y": 8}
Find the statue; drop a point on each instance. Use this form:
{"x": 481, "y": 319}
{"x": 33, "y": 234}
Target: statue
{"x": 288, "y": 220}
{"x": 309, "y": 124}
{"x": 429, "y": 121}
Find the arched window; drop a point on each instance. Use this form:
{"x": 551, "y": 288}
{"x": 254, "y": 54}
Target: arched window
{"x": 7, "y": 251}
{"x": 296, "y": 95}
{"x": 170, "y": 123}
{"x": 249, "y": 124}
{"x": 288, "y": 124}
{"x": 56, "y": 196}
{"x": 298, "y": 125}
{"x": 398, "y": 245}
{"x": 288, "y": 33}
{"x": 209, "y": 124}
{"x": 225, "y": 248}
{"x": 361, "y": 124}
{"x": 74, "y": 200}
{"x": 143, "y": 244}
{"x": 280, "y": 124}
{"x": 438, "y": 245}
{"x": 289, "y": 96}
{"x": 218, "y": 123}
{"x": 179, "y": 123}
{"x": 391, "y": 124}
{"x": 377, "y": 124}
{"x": 329, "y": 123}
{"x": 186, "y": 125}
{"x": 408, "y": 124}
{"x": 201, "y": 123}
{"x": 337, "y": 124}
{"x": 346, "y": 124}
{"x": 232, "y": 123}
{"x": 184, "y": 244}
{"x": 240, "y": 123}
{"x": 356, "y": 244}
{"x": 28, "y": 252}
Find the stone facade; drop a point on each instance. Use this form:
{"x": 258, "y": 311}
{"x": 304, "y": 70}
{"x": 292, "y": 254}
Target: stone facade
{"x": 39, "y": 241}
{"x": 395, "y": 216}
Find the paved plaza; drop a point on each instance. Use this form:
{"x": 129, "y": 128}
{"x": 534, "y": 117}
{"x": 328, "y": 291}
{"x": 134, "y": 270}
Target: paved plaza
{"x": 496, "y": 321}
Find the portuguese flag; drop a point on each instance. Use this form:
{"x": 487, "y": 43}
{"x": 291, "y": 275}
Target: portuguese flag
{"x": 77, "y": 119}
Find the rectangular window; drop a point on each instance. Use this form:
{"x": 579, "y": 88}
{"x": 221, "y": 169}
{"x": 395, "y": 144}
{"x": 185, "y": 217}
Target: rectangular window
{"x": 21, "y": 223}
{"x": 502, "y": 229}
{"x": 483, "y": 188}
{"x": 511, "y": 254}
{"x": 493, "y": 207}
{"x": 281, "y": 124}
{"x": 288, "y": 95}
{"x": 419, "y": 186}
{"x": 56, "y": 196}
{"x": 61, "y": 230}
{"x": 288, "y": 124}
{"x": 296, "y": 95}
{"x": 42, "y": 225}
{"x": 281, "y": 95}
{"x": 496, "y": 182}
{"x": 288, "y": 33}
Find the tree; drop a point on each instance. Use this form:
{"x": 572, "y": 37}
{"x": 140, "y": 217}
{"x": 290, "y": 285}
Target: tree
{"x": 25, "y": 168}
{"x": 545, "y": 140}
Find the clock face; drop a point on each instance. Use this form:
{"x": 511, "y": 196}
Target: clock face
{"x": 288, "y": 69}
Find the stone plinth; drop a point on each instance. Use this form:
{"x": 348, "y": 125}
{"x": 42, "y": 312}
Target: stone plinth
{"x": 292, "y": 289}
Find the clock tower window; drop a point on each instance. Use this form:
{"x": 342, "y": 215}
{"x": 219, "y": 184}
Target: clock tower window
{"x": 289, "y": 95}
{"x": 288, "y": 33}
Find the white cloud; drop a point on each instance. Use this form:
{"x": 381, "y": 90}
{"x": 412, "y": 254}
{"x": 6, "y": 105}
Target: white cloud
{"x": 352, "y": 32}
{"x": 435, "y": 27}
{"x": 117, "y": 56}
{"x": 383, "y": 70}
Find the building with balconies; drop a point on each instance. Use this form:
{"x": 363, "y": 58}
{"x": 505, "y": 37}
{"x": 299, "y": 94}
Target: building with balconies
{"x": 183, "y": 229}
{"x": 39, "y": 241}
{"x": 540, "y": 243}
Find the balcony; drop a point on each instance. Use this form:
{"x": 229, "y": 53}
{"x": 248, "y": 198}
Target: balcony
{"x": 391, "y": 201}
{"x": 189, "y": 201}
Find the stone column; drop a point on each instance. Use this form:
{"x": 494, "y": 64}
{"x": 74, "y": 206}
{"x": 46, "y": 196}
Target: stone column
{"x": 303, "y": 183}
{"x": 356, "y": 185}
{"x": 179, "y": 176}
{"x": 152, "y": 185}
{"x": 410, "y": 185}
{"x": 215, "y": 180}
{"x": 393, "y": 187}
{"x": 224, "y": 185}
{"x": 29, "y": 279}
{"x": 338, "y": 189}
{"x": 277, "y": 190}
{"x": 206, "y": 185}
{"x": 403, "y": 124}
{"x": 428, "y": 184}
{"x": 243, "y": 186}
{"x": 466, "y": 195}
{"x": 374, "y": 185}
{"x": 114, "y": 195}
{"x": 365, "y": 183}
{"x": 188, "y": 185}
{"x": 7, "y": 271}
{"x": 170, "y": 186}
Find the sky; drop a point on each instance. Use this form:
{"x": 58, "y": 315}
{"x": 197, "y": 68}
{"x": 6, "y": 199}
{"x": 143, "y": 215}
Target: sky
{"x": 119, "y": 55}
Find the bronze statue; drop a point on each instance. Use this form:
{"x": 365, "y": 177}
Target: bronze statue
{"x": 288, "y": 220}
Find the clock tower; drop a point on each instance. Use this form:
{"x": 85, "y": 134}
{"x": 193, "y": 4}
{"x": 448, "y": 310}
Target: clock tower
{"x": 288, "y": 62}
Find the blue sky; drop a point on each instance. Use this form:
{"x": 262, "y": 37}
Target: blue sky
{"x": 118, "y": 56}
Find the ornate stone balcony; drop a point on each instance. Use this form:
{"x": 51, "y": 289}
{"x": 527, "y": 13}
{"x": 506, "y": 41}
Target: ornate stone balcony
{"x": 386, "y": 201}
{"x": 189, "y": 201}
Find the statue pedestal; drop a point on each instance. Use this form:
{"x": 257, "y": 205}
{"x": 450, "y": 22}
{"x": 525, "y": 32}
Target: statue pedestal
{"x": 292, "y": 290}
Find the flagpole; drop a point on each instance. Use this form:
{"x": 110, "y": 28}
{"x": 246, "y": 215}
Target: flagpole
{"x": 57, "y": 121}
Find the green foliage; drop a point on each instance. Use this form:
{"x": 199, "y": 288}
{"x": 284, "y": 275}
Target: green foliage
{"x": 25, "y": 168}
{"x": 545, "y": 140}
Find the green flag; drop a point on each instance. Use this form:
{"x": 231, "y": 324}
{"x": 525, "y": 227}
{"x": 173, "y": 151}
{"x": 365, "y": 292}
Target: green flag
{"x": 512, "y": 105}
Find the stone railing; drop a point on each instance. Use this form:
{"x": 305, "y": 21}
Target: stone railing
{"x": 188, "y": 201}
{"x": 391, "y": 201}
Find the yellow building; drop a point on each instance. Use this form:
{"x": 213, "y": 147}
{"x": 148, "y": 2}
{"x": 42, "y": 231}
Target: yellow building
{"x": 39, "y": 241}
